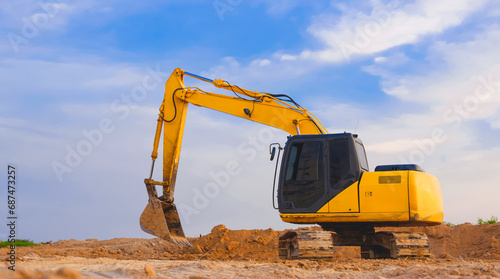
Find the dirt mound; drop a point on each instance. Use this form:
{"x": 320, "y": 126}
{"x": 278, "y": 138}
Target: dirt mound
{"x": 464, "y": 241}
{"x": 225, "y": 244}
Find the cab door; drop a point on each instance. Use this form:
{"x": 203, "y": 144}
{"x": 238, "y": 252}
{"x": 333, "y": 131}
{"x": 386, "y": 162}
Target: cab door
{"x": 343, "y": 176}
{"x": 303, "y": 186}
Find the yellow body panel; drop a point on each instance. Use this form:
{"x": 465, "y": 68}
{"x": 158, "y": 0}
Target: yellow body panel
{"x": 426, "y": 201}
{"x": 346, "y": 201}
{"x": 312, "y": 218}
{"x": 324, "y": 209}
{"x": 384, "y": 192}
{"x": 386, "y": 198}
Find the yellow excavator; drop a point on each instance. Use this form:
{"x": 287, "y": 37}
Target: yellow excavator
{"x": 324, "y": 179}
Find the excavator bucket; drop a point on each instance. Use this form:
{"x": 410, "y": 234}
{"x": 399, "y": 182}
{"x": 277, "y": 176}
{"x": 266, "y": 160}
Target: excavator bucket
{"x": 161, "y": 219}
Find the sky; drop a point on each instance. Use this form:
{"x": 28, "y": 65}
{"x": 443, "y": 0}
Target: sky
{"x": 82, "y": 81}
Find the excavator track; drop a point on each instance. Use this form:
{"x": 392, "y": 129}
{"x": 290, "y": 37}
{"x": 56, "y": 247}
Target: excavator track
{"x": 386, "y": 245}
{"x": 413, "y": 245}
{"x": 394, "y": 245}
{"x": 305, "y": 244}
{"x": 317, "y": 245}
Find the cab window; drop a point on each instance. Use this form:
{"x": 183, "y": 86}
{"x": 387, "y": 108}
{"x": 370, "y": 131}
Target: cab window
{"x": 304, "y": 179}
{"x": 338, "y": 154}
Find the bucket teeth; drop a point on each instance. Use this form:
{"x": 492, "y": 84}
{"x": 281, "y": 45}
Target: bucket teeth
{"x": 181, "y": 240}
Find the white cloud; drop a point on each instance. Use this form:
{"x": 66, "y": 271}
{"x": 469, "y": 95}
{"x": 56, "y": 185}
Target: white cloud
{"x": 288, "y": 57}
{"x": 494, "y": 13}
{"x": 391, "y": 146}
{"x": 123, "y": 75}
{"x": 385, "y": 26}
{"x": 31, "y": 16}
{"x": 91, "y": 77}
{"x": 260, "y": 62}
{"x": 265, "y": 74}
{"x": 465, "y": 84}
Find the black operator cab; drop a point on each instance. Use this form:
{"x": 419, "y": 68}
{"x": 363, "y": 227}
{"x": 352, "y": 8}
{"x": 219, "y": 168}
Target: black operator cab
{"x": 316, "y": 168}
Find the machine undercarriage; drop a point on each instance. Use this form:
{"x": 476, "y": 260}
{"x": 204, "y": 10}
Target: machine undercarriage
{"x": 318, "y": 244}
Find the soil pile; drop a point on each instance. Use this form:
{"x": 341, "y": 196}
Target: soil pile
{"x": 225, "y": 244}
{"x": 465, "y": 241}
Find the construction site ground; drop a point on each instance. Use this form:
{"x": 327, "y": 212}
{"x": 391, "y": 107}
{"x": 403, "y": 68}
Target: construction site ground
{"x": 464, "y": 251}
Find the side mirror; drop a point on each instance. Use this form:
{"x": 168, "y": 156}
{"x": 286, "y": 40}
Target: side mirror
{"x": 273, "y": 152}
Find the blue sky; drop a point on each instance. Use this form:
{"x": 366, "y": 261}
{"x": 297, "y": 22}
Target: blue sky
{"x": 419, "y": 81}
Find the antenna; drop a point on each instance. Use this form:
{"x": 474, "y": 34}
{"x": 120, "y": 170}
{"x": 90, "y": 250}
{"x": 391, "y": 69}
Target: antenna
{"x": 356, "y": 127}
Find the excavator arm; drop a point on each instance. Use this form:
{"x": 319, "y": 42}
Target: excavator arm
{"x": 160, "y": 217}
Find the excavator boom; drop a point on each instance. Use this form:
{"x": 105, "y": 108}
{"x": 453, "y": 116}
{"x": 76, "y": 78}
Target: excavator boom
{"x": 160, "y": 217}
